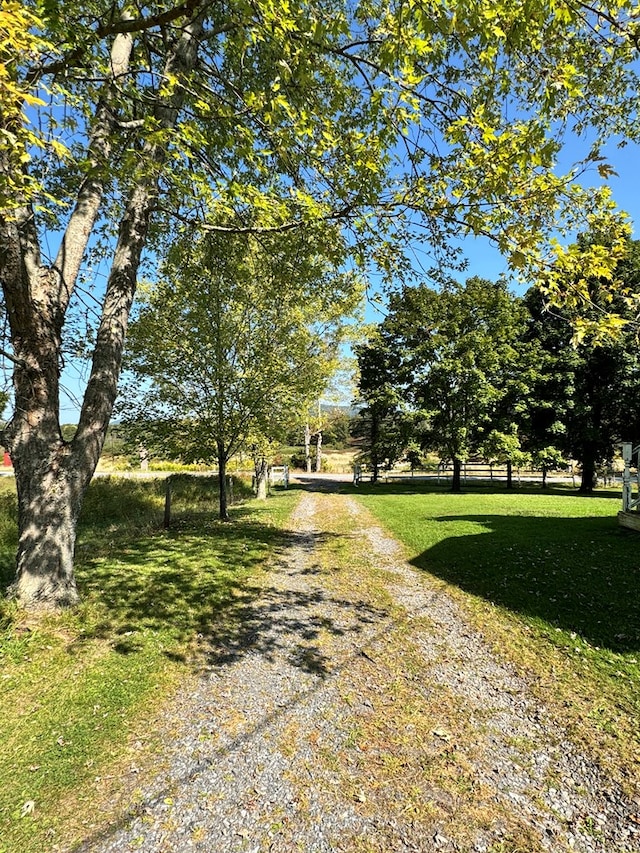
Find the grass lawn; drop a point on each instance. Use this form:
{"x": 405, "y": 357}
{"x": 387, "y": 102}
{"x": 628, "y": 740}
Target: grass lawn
{"x": 549, "y": 578}
{"x": 80, "y": 690}
{"x": 553, "y": 582}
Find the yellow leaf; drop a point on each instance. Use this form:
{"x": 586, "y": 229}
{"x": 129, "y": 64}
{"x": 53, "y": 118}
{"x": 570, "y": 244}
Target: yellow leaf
{"x": 33, "y": 101}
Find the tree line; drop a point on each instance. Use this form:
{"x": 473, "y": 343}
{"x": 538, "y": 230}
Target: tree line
{"x": 472, "y": 370}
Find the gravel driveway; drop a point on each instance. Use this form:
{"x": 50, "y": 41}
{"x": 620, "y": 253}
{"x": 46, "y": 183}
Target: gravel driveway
{"x": 273, "y": 750}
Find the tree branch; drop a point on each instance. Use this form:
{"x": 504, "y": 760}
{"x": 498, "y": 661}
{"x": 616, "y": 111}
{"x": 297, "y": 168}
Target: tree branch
{"x": 85, "y": 213}
{"x": 128, "y": 26}
{"x": 19, "y": 361}
{"x": 335, "y": 215}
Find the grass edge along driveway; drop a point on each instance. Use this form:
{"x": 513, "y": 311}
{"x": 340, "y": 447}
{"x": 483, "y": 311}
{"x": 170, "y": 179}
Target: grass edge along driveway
{"x": 553, "y": 583}
{"x": 81, "y": 690}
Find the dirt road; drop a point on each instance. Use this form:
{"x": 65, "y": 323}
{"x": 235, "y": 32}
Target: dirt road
{"x": 358, "y": 711}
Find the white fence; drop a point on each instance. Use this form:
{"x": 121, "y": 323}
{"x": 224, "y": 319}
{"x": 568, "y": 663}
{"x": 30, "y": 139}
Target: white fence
{"x": 279, "y": 475}
{"x": 483, "y": 472}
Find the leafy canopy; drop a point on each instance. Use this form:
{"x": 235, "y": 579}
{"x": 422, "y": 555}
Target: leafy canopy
{"x": 448, "y": 359}
{"x": 438, "y": 115}
{"x": 234, "y": 340}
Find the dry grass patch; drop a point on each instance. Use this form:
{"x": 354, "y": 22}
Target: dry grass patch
{"x": 412, "y": 755}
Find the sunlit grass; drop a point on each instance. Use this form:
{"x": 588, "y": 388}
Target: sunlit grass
{"x": 405, "y": 750}
{"x": 76, "y": 688}
{"x": 554, "y": 582}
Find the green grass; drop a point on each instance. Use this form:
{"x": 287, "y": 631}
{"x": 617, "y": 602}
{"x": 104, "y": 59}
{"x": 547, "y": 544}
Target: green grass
{"x": 156, "y": 607}
{"x": 552, "y": 579}
{"x": 549, "y": 578}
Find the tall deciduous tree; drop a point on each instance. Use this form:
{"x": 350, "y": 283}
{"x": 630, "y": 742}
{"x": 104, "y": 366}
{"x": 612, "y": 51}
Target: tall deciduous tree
{"x": 229, "y": 346}
{"x": 277, "y": 113}
{"x": 382, "y": 425}
{"x": 505, "y": 441}
{"x": 454, "y": 349}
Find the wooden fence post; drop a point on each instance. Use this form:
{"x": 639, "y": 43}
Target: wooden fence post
{"x": 167, "y": 503}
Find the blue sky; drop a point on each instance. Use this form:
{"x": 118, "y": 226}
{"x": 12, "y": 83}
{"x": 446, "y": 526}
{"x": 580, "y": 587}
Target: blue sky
{"x": 485, "y": 261}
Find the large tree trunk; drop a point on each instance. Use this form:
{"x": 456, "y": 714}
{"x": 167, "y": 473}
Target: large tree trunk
{"x": 48, "y": 508}
{"x": 319, "y": 451}
{"x": 456, "y": 485}
{"x": 509, "y": 474}
{"x": 52, "y": 475}
{"x": 588, "y": 464}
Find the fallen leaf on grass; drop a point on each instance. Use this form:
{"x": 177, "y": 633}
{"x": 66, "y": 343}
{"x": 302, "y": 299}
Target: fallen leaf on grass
{"x": 443, "y": 734}
{"x": 27, "y": 808}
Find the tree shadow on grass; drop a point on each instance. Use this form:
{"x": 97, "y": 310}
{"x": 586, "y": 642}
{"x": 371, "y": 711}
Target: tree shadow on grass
{"x": 194, "y": 588}
{"x": 578, "y": 574}
{"x": 8, "y": 536}
{"x": 7, "y": 567}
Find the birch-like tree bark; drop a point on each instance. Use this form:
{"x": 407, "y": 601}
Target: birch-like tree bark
{"x": 52, "y": 474}
{"x": 319, "y": 451}
{"x": 307, "y": 447}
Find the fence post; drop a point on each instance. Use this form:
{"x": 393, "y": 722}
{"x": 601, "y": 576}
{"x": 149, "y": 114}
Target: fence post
{"x": 627, "y": 457}
{"x": 167, "y": 503}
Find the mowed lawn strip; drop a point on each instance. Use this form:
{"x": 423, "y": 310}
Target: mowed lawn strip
{"x": 79, "y": 690}
{"x": 554, "y": 584}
